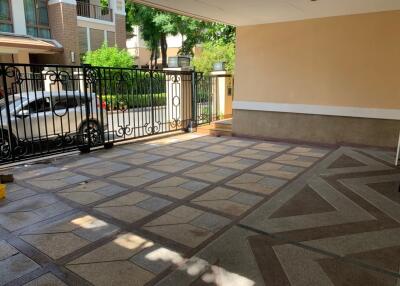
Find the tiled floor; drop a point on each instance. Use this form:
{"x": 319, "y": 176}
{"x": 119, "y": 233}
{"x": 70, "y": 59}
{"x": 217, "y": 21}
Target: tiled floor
{"x": 200, "y": 210}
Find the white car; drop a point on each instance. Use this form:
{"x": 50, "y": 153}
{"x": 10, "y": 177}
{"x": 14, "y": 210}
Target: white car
{"x": 45, "y": 116}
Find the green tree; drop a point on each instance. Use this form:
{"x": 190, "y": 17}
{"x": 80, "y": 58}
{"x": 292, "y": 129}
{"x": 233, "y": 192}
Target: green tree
{"x": 220, "y": 33}
{"x": 151, "y": 31}
{"x": 156, "y": 25}
{"x": 109, "y": 57}
{"x": 215, "y": 52}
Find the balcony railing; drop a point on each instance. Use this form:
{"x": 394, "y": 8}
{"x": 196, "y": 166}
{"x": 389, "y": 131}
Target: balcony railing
{"x": 94, "y": 11}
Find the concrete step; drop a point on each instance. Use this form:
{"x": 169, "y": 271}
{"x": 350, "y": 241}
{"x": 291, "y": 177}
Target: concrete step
{"x": 222, "y": 126}
{"x": 220, "y": 132}
{"x": 215, "y": 129}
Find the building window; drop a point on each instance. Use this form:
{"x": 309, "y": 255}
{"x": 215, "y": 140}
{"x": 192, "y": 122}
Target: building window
{"x": 5, "y": 16}
{"x": 37, "y": 19}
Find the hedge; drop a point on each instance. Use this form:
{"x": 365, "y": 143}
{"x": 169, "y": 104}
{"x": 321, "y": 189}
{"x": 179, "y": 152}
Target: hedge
{"x": 122, "y": 101}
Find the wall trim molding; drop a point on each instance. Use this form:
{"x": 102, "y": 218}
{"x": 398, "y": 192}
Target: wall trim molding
{"x": 51, "y": 2}
{"x": 95, "y": 21}
{"x": 347, "y": 111}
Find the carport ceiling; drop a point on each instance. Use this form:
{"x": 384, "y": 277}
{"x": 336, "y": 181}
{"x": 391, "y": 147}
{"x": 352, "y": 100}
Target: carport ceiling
{"x": 252, "y": 12}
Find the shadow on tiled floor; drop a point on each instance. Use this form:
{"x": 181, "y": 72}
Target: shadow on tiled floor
{"x": 200, "y": 210}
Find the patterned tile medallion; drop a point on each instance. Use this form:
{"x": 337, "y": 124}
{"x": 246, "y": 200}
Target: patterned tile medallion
{"x": 278, "y": 170}
{"x": 256, "y": 183}
{"x": 140, "y": 158}
{"x": 171, "y": 165}
{"x": 129, "y": 259}
{"x": 13, "y": 264}
{"x": 272, "y": 147}
{"x": 238, "y": 143}
{"x": 132, "y": 207}
{"x": 228, "y": 201}
{"x": 57, "y": 180}
{"x": 234, "y": 162}
{"x": 255, "y": 213}
{"x": 104, "y": 168}
{"x": 255, "y": 154}
{"x": 90, "y": 192}
{"x": 72, "y": 232}
{"x": 136, "y": 177}
{"x": 29, "y": 210}
{"x": 210, "y": 173}
{"x": 187, "y": 225}
{"x": 177, "y": 187}
{"x": 295, "y": 160}
{"x": 220, "y": 149}
{"x": 199, "y": 156}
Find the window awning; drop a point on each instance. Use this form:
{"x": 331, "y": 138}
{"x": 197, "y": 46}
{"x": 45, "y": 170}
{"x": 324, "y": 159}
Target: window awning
{"x": 34, "y": 45}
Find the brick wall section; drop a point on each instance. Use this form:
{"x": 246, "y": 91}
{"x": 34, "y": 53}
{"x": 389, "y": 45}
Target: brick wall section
{"x": 111, "y": 39}
{"x": 120, "y": 31}
{"x": 96, "y": 39}
{"x": 63, "y": 25}
{"x": 83, "y": 43}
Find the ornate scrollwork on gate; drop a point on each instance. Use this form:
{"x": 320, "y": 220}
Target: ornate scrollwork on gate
{"x": 124, "y": 131}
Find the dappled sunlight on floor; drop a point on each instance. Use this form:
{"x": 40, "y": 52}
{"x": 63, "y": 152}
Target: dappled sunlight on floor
{"x": 194, "y": 210}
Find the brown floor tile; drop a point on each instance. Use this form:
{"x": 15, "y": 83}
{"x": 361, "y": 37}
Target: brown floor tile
{"x": 177, "y": 187}
{"x": 256, "y": 183}
{"x": 112, "y": 273}
{"x": 210, "y": 173}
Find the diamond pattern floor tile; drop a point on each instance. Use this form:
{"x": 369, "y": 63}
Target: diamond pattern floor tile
{"x": 136, "y": 177}
{"x": 210, "y": 173}
{"x": 132, "y": 207}
{"x": 177, "y": 187}
{"x": 256, "y": 183}
{"x": 228, "y": 201}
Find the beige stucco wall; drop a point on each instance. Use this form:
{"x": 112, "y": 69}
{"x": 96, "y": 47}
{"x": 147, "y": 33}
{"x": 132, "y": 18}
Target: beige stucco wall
{"x": 340, "y": 61}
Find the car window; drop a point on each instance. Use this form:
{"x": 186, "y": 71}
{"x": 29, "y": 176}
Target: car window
{"x": 64, "y": 103}
{"x": 39, "y": 105}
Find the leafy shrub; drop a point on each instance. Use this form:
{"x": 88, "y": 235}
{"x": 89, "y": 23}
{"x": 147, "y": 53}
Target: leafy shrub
{"x": 122, "y": 101}
{"x": 213, "y": 53}
{"x": 109, "y": 57}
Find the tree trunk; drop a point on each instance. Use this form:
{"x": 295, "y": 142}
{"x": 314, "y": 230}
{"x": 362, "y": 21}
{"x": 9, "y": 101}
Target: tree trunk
{"x": 164, "y": 47}
{"x": 155, "y": 59}
{"x": 151, "y": 58}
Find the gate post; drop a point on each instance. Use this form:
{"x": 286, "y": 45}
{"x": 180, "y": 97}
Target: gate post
{"x": 152, "y": 101}
{"x": 7, "y": 102}
{"x": 88, "y": 104}
{"x": 193, "y": 121}
{"x": 179, "y": 97}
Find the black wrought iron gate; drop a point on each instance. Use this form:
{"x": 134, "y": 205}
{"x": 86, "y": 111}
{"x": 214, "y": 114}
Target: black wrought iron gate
{"x": 47, "y": 109}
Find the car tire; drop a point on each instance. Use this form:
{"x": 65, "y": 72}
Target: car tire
{"x": 94, "y": 130}
{"x": 5, "y": 144}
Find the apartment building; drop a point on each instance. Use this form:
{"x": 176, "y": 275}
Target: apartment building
{"x": 58, "y": 31}
{"x": 137, "y": 47}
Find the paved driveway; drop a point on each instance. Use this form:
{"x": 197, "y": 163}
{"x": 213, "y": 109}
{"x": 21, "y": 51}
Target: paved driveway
{"x": 200, "y": 210}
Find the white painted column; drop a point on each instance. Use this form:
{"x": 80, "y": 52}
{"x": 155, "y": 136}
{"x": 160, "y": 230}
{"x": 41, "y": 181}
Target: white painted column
{"x": 18, "y": 14}
{"x": 179, "y": 96}
{"x": 224, "y": 99}
{"x": 89, "y": 44}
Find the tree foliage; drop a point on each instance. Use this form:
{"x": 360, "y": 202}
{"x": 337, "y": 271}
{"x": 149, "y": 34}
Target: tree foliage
{"x": 213, "y": 53}
{"x": 109, "y": 57}
{"x": 220, "y": 33}
{"x": 156, "y": 25}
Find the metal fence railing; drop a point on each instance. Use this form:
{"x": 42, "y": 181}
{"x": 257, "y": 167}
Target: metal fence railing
{"x": 64, "y": 108}
{"x": 88, "y": 10}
